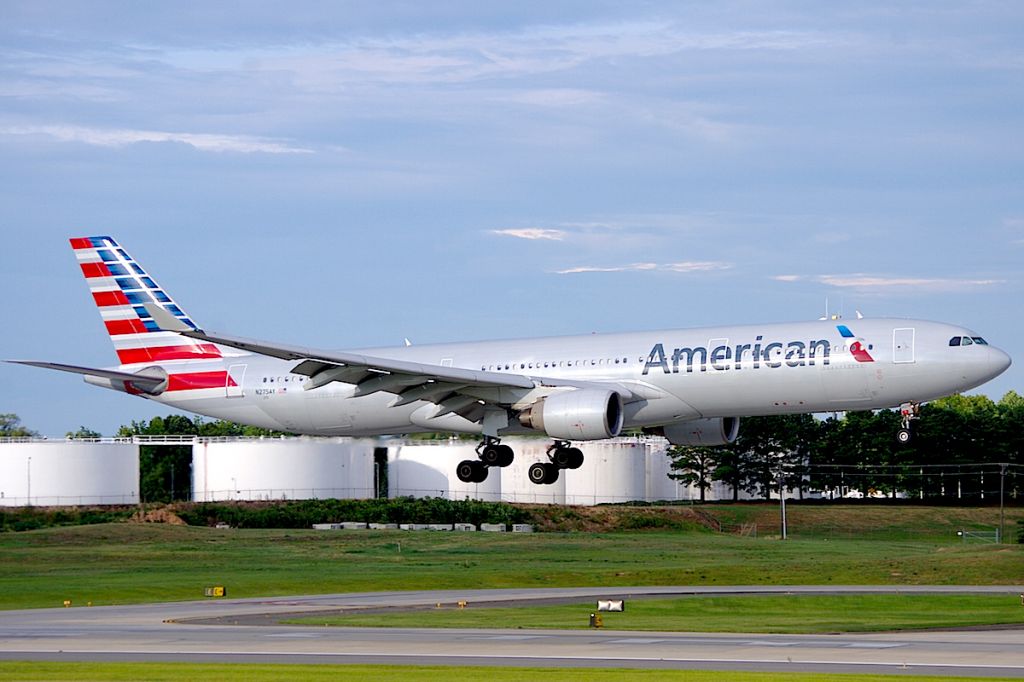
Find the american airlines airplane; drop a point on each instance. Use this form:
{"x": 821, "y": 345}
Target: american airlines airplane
{"x": 690, "y": 385}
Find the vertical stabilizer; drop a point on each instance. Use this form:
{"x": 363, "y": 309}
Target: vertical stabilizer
{"x": 121, "y": 288}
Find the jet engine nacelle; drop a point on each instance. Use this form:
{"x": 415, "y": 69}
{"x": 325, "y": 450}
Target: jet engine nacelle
{"x": 714, "y": 431}
{"x": 581, "y": 414}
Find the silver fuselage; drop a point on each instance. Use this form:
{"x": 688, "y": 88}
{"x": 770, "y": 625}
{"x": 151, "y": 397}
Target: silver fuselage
{"x": 678, "y": 375}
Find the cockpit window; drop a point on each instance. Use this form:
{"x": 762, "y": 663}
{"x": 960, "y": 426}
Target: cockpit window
{"x": 966, "y": 341}
{"x": 955, "y": 341}
{"x": 980, "y": 341}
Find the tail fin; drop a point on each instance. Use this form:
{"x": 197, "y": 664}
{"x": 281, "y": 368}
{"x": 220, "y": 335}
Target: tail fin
{"x": 121, "y": 288}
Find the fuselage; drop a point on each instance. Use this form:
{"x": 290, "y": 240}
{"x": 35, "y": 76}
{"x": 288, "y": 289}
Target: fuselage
{"x": 675, "y": 375}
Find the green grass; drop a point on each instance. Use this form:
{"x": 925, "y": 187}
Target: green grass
{"x": 794, "y": 614}
{"x": 869, "y": 520}
{"x": 128, "y": 563}
{"x": 173, "y": 672}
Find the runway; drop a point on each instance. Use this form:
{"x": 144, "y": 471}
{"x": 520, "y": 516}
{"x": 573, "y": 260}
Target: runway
{"x": 182, "y": 631}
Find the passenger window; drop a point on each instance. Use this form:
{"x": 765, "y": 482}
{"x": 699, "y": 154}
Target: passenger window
{"x": 955, "y": 341}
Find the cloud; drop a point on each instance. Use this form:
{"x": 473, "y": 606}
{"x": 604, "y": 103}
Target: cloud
{"x": 532, "y": 233}
{"x": 120, "y": 137}
{"x": 685, "y": 266}
{"x": 869, "y": 283}
{"x": 880, "y": 282}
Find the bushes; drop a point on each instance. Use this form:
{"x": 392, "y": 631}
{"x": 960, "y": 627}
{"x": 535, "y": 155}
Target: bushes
{"x": 32, "y": 518}
{"x": 304, "y": 513}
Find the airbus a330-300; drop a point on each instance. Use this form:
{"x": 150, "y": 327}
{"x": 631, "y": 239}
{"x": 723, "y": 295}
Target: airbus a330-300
{"x": 690, "y": 385}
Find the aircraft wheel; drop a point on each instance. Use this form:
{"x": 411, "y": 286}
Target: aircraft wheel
{"x": 479, "y": 472}
{"x": 903, "y": 436}
{"x": 466, "y": 470}
{"x": 562, "y": 458}
{"x": 491, "y": 455}
{"x": 538, "y": 473}
{"x": 551, "y": 472}
{"x": 575, "y": 458}
{"x": 505, "y": 455}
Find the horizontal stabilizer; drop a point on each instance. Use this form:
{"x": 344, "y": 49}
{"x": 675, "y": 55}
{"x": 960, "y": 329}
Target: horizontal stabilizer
{"x": 146, "y": 383}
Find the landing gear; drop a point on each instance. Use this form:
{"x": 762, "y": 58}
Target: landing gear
{"x": 543, "y": 473}
{"x": 909, "y": 412}
{"x": 562, "y": 456}
{"x": 491, "y": 453}
{"x": 471, "y": 471}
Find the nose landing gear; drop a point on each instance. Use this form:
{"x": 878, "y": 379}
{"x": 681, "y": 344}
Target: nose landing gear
{"x": 909, "y": 412}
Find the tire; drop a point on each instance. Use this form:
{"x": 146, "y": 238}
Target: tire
{"x": 551, "y": 472}
{"x": 479, "y": 472}
{"x": 466, "y": 470}
{"x": 491, "y": 455}
{"x": 562, "y": 457}
{"x": 538, "y": 473}
{"x": 903, "y": 436}
{"x": 575, "y": 458}
{"x": 507, "y": 455}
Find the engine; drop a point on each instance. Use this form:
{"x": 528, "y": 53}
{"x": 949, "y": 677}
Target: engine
{"x": 714, "y": 431}
{"x": 581, "y": 414}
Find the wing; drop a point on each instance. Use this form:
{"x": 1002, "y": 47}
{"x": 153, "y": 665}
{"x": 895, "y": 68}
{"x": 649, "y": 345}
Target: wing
{"x": 463, "y": 391}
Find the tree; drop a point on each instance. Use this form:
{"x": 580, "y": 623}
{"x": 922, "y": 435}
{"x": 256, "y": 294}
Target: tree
{"x": 730, "y": 468}
{"x": 766, "y": 444}
{"x": 165, "y": 471}
{"x": 693, "y": 465}
{"x": 10, "y": 427}
{"x": 84, "y": 434}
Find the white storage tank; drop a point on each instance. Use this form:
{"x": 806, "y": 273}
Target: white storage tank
{"x": 282, "y": 469}
{"x": 612, "y": 471}
{"x": 68, "y": 472}
{"x": 427, "y": 469}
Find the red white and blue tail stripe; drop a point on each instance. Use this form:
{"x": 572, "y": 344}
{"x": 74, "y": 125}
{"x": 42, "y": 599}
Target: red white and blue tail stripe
{"x": 120, "y": 287}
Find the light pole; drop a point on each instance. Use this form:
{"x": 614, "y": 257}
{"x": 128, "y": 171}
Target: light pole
{"x": 1002, "y": 480}
{"x": 782, "y": 495}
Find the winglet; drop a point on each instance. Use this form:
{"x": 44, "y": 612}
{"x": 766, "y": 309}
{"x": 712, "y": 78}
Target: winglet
{"x": 165, "y": 320}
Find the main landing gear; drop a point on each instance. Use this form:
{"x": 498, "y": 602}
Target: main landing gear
{"x": 491, "y": 453}
{"x": 561, "y": 456}
{"x": 909, "y": 412}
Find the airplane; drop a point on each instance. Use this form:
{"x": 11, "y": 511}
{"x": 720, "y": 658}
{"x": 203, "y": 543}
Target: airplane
{"x": 691, "y": 386}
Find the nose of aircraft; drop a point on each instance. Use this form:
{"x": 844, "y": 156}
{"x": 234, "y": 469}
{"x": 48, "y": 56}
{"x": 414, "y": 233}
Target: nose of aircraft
{"x": 998, "y": 361}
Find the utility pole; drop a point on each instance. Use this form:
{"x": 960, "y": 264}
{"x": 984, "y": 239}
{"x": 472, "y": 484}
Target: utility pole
{"x": 1002, "y": 480}
{"x": 782, "y": 495}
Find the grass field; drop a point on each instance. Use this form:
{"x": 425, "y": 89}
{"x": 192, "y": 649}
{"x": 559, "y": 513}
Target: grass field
{"x": 128, "y": 563}
{"x": 176, "y": 672}
{"x": 791, "y": 614}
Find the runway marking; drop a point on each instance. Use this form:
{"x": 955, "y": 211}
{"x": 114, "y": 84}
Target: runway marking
{"x": 510, "y": 638}
{"x": 295, "y": 635}
{"x": 527, "y": 657}
{"x": 637, "y": 640}
{"x": 873, "y": 645}
{"x": 758, "y": 642}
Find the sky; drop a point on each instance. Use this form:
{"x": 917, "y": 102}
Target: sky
{"x": 345, "y": 175}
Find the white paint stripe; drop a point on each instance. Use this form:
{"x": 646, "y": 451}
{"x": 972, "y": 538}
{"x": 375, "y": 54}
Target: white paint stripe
{"x": 490, "y": 654}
